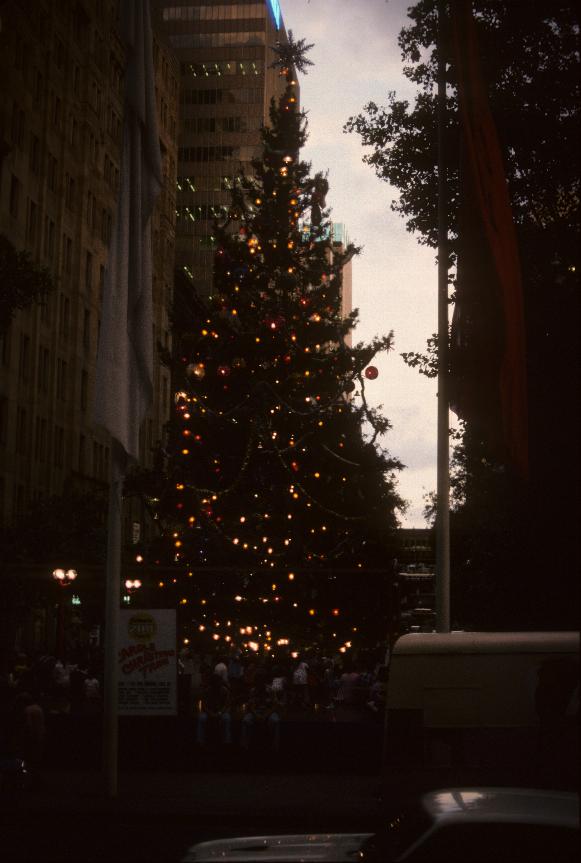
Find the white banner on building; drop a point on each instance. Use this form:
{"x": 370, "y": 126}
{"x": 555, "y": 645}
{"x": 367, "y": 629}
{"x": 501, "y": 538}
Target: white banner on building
{"x": 147, "y": 670}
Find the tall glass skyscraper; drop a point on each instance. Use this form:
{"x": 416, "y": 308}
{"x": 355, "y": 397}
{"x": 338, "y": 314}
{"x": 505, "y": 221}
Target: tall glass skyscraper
{"x": 224, "y": 49}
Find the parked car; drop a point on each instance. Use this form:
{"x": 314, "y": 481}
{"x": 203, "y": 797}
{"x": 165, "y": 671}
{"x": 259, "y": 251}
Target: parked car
{"x": 456, "y": 825}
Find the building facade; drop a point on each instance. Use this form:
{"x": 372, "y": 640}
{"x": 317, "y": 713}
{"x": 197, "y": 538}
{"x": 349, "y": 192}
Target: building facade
{"x": 225, "y": 53}
{"x": 61, "y": 107}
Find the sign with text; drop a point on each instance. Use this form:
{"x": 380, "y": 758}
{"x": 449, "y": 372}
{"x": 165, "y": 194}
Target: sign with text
{"x": 147, "y": 662}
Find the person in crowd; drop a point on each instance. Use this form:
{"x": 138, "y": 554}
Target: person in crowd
{"x": 222, "y": 669}
{"x": 77, "y": 677}
{"x": 26, "y": 730}
{"x": 350, "y": 693}
{"x": 301, "y": 685}
{"x": 315, "y": 682}
{"x": 261, "y": 711}
{"x": 236, "y": 678}
{"x": 216, "y": 709}
{"x": 92, "y": 692}
{"x": 279, "y": 690}
{"x": 327, "y": 684}
{"x": 21, "y": 667}
{"x": 378, "y": 692}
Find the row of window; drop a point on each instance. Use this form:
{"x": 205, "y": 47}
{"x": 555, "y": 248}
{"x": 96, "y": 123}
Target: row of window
{"x": 213, "y": 13}
{"x": 168, "y": 79}
{"x": 218, "y": 96}
{"x": 100, "y": 221}
{"x": 208, "y": 154}
{"x": 25, "y": 367}
{"x": 215, "y": 124}
{"x": 222, "y": 67}
{"x": 43, "y": 372}
{"x": 207, "y": 184}
{"x": 43, "y": 442}
{"x": 201, "y": 212}
{"x": 73, "y": 128}
{"x": 216, "y": 40}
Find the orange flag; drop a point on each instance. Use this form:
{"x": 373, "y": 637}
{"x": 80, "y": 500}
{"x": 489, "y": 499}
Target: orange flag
{"x": 488, "y": 371}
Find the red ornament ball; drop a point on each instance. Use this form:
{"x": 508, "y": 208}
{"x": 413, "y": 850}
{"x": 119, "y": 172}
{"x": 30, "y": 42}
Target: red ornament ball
{"x": 371, "y": 373}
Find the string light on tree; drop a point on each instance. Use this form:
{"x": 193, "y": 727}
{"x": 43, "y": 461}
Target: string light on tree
{"x": 272, "y": 465}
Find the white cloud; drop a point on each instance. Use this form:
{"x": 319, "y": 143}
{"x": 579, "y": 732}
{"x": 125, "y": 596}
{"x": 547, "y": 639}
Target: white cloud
{"x": 394, "y": 281}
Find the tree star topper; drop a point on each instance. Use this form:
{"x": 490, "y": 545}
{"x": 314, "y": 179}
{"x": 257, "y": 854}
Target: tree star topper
{"x": 292, "y": 54}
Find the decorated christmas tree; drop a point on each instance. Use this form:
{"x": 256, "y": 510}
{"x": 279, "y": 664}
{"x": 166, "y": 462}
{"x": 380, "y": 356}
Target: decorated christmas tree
{"x": 274, "y": 471}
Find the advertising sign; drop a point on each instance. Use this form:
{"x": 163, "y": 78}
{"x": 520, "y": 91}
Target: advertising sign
{"x": 147, "y": 670}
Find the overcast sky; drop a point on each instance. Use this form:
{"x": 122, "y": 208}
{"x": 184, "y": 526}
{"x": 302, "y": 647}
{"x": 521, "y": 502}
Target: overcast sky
{"x": 357, "y": 60}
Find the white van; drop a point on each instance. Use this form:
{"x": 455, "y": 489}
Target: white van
{"x": 483, "y": 699}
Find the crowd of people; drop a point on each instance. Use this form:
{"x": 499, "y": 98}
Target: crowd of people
{"x": 261, "y": 693}
{"x": 29, "y": 691}
{"x": 257, "y": 693}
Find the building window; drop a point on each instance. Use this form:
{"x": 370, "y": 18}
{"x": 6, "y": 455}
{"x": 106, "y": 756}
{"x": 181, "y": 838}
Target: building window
{"x": 101, "y": 283}
{"x": 37, "y": 87}
{"x": 19, "y": 500}
{"x": 91, "y": 210}
{"x": 100, "y": 461}
{"x": 40, "y": 448}
{"x": 67, "y": 254}
{"x": 87, "y": 330}
{"x": 31, "y": 220}
{"x": 73, "y": 132}
{"x": 61, "y": 379}
{"x": 14, "y": 200}
{"x": 77, "y": 81}
{"x": 34, "y": 154}
{"x": 64, "y": 315}
{"x": 5, "y": 346}
{"x": 3, "y": 419}
{"x": 59, "y": 54}
{"x": 106, "y": 226}
{"x": 51, "y": 172}
{"x": 56, "y": 111}
{"x": 84, "y": 389}
{"x": 24, "y": 358}
{"x": 59, "y": 446}
{"x": 82, "y": 453}
{"x": 45, "y": 311}
{"x": 49, "y": 235}
{"x": 21, "y": 429}
{"x": 17, "y": 125}
{"x": 43, "y": 375}
{"x": 70, "y": 191}
{"x": 88, "y": 271}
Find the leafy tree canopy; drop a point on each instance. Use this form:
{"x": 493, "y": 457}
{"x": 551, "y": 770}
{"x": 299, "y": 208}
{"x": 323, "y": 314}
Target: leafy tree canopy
{"x": 506, "y": 538}
{"x": 23, "y": 282}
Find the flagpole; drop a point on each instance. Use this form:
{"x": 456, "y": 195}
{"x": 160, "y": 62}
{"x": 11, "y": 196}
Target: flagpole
{"x": 443, "y": 447}
{"x": 113, "y": 590}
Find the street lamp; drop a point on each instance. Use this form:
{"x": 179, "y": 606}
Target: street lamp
{"x": 64, "y": 578}
{"x": 131, "y": 585}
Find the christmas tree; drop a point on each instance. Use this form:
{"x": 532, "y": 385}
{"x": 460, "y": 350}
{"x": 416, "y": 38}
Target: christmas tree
{"x": 270, "y": 471}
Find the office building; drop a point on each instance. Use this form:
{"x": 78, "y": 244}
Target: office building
{"x": 61, "y": 106}
{"x": 226, "y": 86}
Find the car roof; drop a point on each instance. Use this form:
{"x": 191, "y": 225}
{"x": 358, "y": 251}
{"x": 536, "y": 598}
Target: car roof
{"x": 519, "y": 805}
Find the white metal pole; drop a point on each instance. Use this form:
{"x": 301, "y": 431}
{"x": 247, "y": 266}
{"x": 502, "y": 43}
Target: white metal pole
{"x": 443, "y": 446}
{"x": 113, "y": 590}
